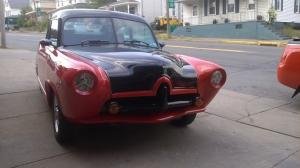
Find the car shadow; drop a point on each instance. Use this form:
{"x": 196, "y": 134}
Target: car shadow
{"x": 103, "y": 139}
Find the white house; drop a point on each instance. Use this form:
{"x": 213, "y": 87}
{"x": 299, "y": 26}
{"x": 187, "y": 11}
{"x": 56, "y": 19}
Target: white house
{"x": 42, "y": 5}
{"x": 199, "y": 12}
{"x": 9, "y": 10}
{"x": 63, "y": 3}
{"x": 149, "y": 9}
{"x": 290, "y": 11}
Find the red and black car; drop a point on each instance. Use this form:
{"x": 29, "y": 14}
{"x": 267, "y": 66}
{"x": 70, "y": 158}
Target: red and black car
{"x": 107, "y": 67}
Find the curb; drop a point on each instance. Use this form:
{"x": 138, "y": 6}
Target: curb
{"x": 258, "y": 43}
{"x": 239, "y": 42}
{"x": 27, "y": 32}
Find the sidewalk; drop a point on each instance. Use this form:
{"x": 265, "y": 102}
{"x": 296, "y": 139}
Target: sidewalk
{"x": 276, "y": 43}
{"x": 17, "y": 70}
{"x": 281, "y": 116}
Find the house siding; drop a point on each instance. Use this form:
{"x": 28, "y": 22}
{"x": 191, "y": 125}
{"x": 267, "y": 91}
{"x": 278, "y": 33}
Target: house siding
{"x": 188, "y": 14}
{"x": 62, "y": 3}
{"x": 263, "y": 8}
{"x": 148, "y": 9}
{"x": 243, "y": 15}
{"x": 288, "y": 14}
{"x": 153, "y": 8}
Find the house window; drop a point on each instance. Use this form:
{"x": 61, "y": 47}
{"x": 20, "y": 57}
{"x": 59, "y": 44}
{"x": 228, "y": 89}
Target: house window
{"x": 251, "y": 4}
{"x": 230, "y": 5}
{"x": 195, "y": 10}
{"x": 278, "y": 4}
{"x": 212, "y": 7}
{"x": 297, "y": 6}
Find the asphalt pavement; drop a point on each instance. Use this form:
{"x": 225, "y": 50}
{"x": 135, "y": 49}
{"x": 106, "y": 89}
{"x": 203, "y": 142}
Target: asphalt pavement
{"x": 252, "y": 123}
{"x": 26, "y": 41}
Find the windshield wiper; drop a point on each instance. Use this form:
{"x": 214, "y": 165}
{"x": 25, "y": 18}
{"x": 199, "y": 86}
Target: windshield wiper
{"x": 90, "y": 43}
{"x": 137, "y": 42}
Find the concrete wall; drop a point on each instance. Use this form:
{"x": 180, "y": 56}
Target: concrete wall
{"x": 244, "y": 30}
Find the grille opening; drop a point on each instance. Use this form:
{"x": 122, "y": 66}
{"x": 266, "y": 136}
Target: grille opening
{"x": 150, "y": 105}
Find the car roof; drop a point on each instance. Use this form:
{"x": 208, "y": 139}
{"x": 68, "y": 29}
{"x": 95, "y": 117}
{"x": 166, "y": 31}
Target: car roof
{"x": 71, "y": 13}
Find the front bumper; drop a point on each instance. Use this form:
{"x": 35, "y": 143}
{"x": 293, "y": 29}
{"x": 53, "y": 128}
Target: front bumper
{"x": 159, "y": 117}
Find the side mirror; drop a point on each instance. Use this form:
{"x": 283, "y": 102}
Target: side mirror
{"x": 162, "y": 44}
{"x": 45, "y": 42}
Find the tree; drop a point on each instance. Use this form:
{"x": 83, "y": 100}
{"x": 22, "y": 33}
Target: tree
{"x": 99, "y": 3}
{"x": 21, "y": 22}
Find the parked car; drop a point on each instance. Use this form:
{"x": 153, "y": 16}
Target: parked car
{"x": 289, "y": 66}
{"x": 11, "y": 23}
{"x": 107, "y": 67}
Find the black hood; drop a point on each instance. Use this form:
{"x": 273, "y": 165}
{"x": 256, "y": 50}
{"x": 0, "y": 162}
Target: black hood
{"x": 133, "y": 69}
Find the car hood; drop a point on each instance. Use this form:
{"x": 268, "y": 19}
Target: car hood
{"x": 131, "y": 69}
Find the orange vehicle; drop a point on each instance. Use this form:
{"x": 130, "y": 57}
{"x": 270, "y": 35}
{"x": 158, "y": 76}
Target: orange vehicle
{"x": 289, "y": 66}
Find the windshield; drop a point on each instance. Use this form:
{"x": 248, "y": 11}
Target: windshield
{"x": 79, "y": 30}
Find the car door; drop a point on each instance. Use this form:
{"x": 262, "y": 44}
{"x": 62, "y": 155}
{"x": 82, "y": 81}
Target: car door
{"x": 45, "y": 54}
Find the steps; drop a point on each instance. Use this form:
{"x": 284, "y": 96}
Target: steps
{"x": 276, "y": 28}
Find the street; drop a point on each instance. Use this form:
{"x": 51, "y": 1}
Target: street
{"x": 252, "y": 123}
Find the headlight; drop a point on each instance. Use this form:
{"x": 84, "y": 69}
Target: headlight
{"x": 216, "y": 78}
{"x": 84, "y": 82}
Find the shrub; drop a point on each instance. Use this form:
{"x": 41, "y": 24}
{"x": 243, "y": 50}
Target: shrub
{"x": 42, "y": 26}
{"x": 272, "y": 15}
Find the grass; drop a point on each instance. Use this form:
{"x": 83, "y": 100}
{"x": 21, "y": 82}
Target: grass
{"x": 291, "y": 32}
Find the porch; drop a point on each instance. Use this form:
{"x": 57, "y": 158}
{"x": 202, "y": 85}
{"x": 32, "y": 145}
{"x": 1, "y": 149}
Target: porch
{"x": 201, "y": 12}
{"x": 126, "y": 6}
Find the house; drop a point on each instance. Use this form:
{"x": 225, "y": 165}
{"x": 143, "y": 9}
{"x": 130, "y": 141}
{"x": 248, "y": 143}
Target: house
{"x": 63, "y": 3}
{"x": 11, "y": 8}
{"x": 201, "y": 12}
{"x": 41, "y": 8}
{"x": 149, "y": 9}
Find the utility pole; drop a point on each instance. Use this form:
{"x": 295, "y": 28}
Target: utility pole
{"x": 168, "y": 19}
{"x": 256, "y": 26}
{"x": 2, "y": 24}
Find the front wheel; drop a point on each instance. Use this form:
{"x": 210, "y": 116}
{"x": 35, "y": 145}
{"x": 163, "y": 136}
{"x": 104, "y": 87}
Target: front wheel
{"x": 184, "y": 121}
{"x": 62, "y": 129}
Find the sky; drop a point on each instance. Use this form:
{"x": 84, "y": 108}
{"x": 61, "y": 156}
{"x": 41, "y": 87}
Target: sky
{"x": 18, "y": 4}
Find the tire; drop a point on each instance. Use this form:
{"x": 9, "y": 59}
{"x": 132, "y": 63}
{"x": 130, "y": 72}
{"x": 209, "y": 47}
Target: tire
{"x": 62, "y": 128}
{"x": 184, "y": 121}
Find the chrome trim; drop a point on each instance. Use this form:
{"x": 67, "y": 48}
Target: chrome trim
{"x": 40, "y": 83}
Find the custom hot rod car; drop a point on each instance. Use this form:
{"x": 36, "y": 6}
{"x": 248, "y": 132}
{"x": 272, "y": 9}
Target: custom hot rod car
{"x": 289, "y": 67}
{"x": 107, "y": 67}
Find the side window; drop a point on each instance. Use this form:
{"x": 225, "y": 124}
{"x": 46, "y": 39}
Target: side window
{"x": 53, "y": 32}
